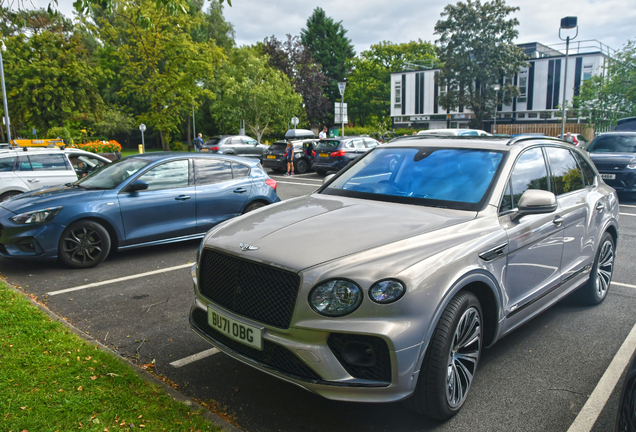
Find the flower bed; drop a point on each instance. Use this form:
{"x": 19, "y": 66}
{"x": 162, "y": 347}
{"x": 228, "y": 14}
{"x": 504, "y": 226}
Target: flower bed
{"x": 111, "y": 146}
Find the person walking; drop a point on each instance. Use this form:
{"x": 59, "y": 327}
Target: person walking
{"x": 289, "y": 158}
{"x": 323, "y": 133}
{"x": 198, "y": 143}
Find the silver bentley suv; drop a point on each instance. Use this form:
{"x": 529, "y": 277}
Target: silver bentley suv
{"x": 425, "y": 251}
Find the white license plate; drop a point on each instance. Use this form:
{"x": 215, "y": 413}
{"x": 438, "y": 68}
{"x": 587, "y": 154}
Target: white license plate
{"x": 608, "y": 176}
{"x": 237, "y": 330}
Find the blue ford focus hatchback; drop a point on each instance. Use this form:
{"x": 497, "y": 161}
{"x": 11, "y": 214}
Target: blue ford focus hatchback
{"x": 140, "y": 200}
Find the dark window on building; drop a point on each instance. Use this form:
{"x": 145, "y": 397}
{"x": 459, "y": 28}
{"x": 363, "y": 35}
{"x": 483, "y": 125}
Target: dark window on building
{"x": 436, "y": 94}
{"x": 554, "y": 83}
{"x": 530, "y": 86}
{"x": 403, "y": 94}
{"x": 577, "y": 75}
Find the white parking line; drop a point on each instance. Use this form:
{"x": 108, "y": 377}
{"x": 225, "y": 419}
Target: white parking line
{"x": 596, "y": 402}
{"x": 624, "y": 285}
{"x": 194, "y": 357}
{"x": 627, "y": 214}
{"x": 121, "y": 279}
{"x": 627, "y": 205}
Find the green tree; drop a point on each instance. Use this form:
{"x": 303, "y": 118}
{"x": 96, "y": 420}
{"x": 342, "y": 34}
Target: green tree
{"x": 369, "y": 83}
{"x": 605, "y": 98}
{"x": 330, "y": 47}
{"x": 162, "y": 69}
{"x": 249, "y": 89}
{"x": 51, "y": 80}
{"x": 213, "y": 27}
{"x": 477, "y": 47}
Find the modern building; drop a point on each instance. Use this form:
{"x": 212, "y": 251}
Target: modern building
{"x": 415, "y": 91}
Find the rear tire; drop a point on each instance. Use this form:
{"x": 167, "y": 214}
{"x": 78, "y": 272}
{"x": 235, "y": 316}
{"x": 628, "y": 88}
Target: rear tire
{"x": 5, "y": 196}
{"x": 595, "y": 289}
{"x": 301, "y": 166}
{"x": 84, "y": 244}
{"x": 254, "y": 206}
{"x": 450, "y": 361}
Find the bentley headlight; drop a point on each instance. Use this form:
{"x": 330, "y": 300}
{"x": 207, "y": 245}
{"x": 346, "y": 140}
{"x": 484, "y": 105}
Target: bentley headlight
{"x": 335, "y": 298}
{"x": 37, "y": 216}
{"x": 387, "y": 291}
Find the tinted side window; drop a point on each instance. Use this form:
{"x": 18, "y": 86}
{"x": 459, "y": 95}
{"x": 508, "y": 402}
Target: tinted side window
{"x": 506, "y": 201}
{"x": 167, "y": 176}
{"x": 588, "y": 171}
{"x": 6, "y": 164}
{"x": 24, "y": 164}
{"x": 349, "y": 145}
{"x": 566, "y": 173}
{"x": 240, "y": 170}
{"x": 371, "y": 143}
{"x": 50, "y": 162}
{"x": 250, "y": 141}
{"x": 212, "y": 171}
{"x": 529, "y": 172}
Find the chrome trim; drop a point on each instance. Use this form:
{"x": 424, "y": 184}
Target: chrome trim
{"x": 165, "y": 241}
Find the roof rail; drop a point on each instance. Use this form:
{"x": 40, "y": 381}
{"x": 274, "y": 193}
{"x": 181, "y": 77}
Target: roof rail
{"x": 517, "y": 139}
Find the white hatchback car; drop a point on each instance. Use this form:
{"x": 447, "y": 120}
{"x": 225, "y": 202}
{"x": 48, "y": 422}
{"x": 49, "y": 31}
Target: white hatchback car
{"x": 26, "y": 168}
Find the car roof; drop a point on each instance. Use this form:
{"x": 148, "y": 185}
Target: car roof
{"x": 499, "y": 143}
{"x": 345, "y": 138}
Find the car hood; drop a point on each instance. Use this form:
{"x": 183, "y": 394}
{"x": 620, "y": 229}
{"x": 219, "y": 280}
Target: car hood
{"x": 49, "y": 197}
{"x": 314, "y": 229}
{"x": 618, "y": 158}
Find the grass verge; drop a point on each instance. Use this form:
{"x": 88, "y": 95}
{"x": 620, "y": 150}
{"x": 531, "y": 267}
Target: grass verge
{"x": 52, "y": 380}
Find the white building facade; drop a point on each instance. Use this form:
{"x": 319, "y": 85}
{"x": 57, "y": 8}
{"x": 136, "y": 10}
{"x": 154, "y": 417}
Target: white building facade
{"x": 415, "y": 93}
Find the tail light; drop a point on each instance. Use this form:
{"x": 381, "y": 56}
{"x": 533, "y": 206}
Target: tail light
{"x": 338, "y": 153}
{"x": 216, "y": 148}
{"x": 313, "y": 153}
{"x": 271, "y": 183}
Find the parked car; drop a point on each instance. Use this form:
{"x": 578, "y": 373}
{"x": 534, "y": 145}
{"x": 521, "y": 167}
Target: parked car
{"x": 333, "y": 154}
{"x": 235, "y": 145}
{"x": 274, "y": 158}
{"x": 24, "y": 169}
{"x": 626, "y": 416}
{"x": 454, "y": 132}
{"x": 426, "y": 252}
{"x": 614, "y": 154}
{"x": 139, "y": 200}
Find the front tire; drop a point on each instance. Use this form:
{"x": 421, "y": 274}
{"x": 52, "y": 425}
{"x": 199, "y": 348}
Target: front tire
{"x": 595, "y": 289}
{"x": 84, "y": 244}
{"x": 450, "y": 361}
{"x": 301, "y": 166}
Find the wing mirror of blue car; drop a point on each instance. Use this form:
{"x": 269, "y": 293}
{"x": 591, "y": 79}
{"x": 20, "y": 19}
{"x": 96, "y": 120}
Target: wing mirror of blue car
{"x": 535, "y": 201}
{"x": 137, "y": 186}
{"x": 327, "y": 178}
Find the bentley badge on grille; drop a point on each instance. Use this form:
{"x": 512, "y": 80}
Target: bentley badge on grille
{"x": 247, "y": 247}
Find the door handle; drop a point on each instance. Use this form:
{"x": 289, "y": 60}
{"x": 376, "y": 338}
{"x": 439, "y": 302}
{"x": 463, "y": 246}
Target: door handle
{"x": 600, "y": 207}
{"x": 33, "y": 181}
{"x": 558, "y": 221}
{"x": 183, "y": 197}
{"x": 240, "y": 190}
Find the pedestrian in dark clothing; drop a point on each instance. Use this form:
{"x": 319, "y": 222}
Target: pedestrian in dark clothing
{"x": 289, "y": 158}
{"x": 198, "y": 143}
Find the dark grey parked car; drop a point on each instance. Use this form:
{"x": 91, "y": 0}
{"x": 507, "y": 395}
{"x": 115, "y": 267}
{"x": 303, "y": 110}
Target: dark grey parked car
{"x": 614, "y": 154}
{"x": 237, "y": 145}
{"x": 425, "y": 252}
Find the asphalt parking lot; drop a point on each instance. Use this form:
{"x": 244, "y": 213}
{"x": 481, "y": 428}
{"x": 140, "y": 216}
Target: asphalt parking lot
{"x": 536, "y": 379}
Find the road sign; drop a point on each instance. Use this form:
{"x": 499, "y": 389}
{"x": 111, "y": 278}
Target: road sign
{"x": 294, "y": 121}
{"x": 142, "y": 127}
{"x": 341, "y": 87}
{"x": 337, "y": 116}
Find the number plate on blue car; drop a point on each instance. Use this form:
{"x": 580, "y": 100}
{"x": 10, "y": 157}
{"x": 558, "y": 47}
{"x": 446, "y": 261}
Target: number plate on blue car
{"x": 234, "y": 329}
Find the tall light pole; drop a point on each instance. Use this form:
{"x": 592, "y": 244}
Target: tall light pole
{"x": 3, "y": 48}
{"x": 566, "y": 23}
{"x": 496, "y": 88}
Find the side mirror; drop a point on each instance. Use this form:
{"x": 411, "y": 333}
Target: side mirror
{"x": 327, "y": 178}
{"x": 137, "y": 186}
{"x": 535, "y": 201}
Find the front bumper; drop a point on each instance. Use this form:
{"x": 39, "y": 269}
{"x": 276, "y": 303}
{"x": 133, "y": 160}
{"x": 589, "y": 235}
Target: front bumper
{"x": 624, "y": 180}
{"x": 311, "y": 358}
{"x": 277, "y": 164}
{"x": 36, "y": 241}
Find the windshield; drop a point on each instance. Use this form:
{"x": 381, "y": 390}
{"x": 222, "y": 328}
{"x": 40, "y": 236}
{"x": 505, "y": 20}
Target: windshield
{"x": 113, "y": 174}
{"x": 613, "y": 144}
{"x": 441, "y": 177}
{"x": 328, "y": 144}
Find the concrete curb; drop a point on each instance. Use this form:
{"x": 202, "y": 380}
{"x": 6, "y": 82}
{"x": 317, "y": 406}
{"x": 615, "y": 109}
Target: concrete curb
{"x": 149, "y": 378}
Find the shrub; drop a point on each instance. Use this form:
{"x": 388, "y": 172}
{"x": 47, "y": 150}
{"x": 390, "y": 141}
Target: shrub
{"x": 60, "y": 132}
{"x": 111, "y": 146}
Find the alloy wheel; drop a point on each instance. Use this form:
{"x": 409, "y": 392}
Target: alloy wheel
{"x": 82, "y": 245}
{"x": 605, "y": 268}
{"x": 463, "y": 358}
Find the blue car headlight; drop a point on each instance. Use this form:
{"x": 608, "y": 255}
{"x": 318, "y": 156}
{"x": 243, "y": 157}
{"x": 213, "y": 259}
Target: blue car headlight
{"x": 336, "y": 297}
{"x": 387, "y": 291}
{"x": 37, "y": 216}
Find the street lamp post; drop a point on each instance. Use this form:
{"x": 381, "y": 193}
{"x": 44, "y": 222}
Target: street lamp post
{"x": 142, "y": 128}
{"x": 566, "y": 23}
{"x": 3, "y": 48}
{"x": 496, "y": 88}
{"x": 341, "y": 87}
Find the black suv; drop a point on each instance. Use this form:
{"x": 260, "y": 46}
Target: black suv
{"x": 333, "y": 154}
{"x": 614, "y": 154}
{"x": 237, "y": 145}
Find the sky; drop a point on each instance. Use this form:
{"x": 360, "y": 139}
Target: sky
{"x": 370, "y": 21}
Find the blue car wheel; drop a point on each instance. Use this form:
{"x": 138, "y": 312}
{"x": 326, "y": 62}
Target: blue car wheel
{"x": 84, "y": 244}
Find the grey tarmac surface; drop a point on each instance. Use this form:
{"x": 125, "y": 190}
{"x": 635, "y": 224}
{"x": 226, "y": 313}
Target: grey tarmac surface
{"x": 536, "y": 379}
